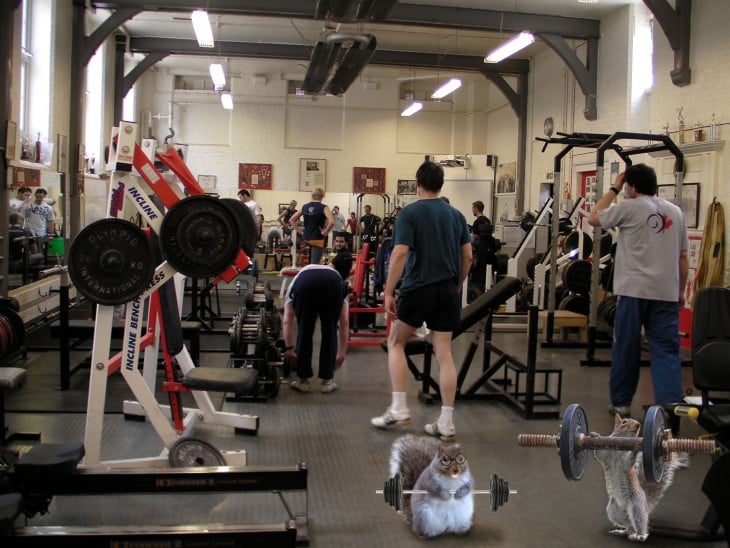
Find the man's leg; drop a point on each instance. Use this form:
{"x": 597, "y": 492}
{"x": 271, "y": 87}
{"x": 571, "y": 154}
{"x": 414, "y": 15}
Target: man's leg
{"x": 662, "y": 330}
{"x": 626, "y": 352}
{"x": 329, "y": 313}
{"x": 397, "y": 414}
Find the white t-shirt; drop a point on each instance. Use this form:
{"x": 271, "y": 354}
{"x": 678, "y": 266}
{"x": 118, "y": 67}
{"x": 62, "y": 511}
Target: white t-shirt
{"x": 37, "y": 217}
{"x": 255, "y": 208}
{"x": 652, "y": 233}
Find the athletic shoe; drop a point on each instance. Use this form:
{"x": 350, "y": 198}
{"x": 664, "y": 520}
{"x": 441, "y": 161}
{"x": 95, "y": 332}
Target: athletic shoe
{"x": 623, "y": 410}
{"x": 300, "y": 385}
{"x": 389, "y": 418}
{"x": 448, "y": 434}
{"x": 328, "y": 386}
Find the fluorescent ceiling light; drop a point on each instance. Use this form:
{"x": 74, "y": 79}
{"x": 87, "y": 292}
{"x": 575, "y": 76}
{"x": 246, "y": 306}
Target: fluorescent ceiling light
{"x": 512, "y": 46}
{"x": 201, "y": 26}
{"x": 218, "y": 76}
{"x": 411, "y": 109}
{"x": 446, "y": 88}
{"x": 227, "y": 101}
{"x": 587, "y": 1}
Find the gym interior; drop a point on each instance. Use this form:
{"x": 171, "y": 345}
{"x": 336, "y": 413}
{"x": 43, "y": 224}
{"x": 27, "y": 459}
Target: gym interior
{"x": 145, "y": 398}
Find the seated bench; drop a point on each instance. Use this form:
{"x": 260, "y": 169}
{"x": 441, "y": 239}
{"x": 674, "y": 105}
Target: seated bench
{"x": 82, "y": 330}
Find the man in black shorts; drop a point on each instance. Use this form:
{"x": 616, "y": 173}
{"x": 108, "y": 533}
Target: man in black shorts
{"x": 436, "y": 258}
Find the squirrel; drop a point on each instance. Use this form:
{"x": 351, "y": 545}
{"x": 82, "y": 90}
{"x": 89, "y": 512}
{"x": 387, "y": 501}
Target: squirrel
{"x": 427, "y": 465}
{"x": 631, "y": 497}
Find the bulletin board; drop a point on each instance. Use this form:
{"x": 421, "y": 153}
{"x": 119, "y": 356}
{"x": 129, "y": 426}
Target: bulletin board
{"x": 255, "y": 176}
{"x": 368, "y": 180}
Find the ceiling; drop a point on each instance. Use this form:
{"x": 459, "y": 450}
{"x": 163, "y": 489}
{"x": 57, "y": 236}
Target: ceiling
{"x": 303, "y": 31}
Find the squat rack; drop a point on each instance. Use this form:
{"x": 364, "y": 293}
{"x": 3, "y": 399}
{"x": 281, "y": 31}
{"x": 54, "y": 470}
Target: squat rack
{"x": 601, "y": 143}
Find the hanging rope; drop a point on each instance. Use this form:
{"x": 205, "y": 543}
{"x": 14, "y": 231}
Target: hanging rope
{"x": 712, "y": 251}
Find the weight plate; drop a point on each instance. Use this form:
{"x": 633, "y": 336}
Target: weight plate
{"x": 572, "y": 241}
{"x": 651, "y": 448}
{"x": 578, "y": 304}
{"x": 198, "y": 236}
{"x": 110, "y": 261}
{"x": 248, "y": 228}
{"x": 189, "y": 452}
{"x": 576, "y": 276}
{"x": 17, "y": 325}
{"x": 572, "y": 457}
{"x": 528, "y": 221}
{"x": 275, "y": 381}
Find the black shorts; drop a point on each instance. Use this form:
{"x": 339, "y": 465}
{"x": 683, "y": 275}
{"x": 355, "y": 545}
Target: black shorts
{"x": 438, "y": 304}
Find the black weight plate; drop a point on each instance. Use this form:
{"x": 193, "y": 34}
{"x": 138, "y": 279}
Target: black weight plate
{"x": 198, "y": 236}
{"x": 528, "y": 221}
{"x": 651, "y": 445}
{"x": 572, "y": 241}
{"x": 190, "y": 452}
{"x": 578, "y": 304}
{"x": 111, "y": 262}
{"x": 248, "y": 227}
{"x": 576, "y": 276}
{"x": 532, "y": 262}
{"x": 572, "y": 457}
{"x": 606, "y": 244}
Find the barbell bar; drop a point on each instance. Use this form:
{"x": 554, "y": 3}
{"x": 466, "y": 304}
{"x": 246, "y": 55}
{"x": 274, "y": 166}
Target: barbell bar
{"x": 393, "y": 492}
{"x": 656, "y": 444}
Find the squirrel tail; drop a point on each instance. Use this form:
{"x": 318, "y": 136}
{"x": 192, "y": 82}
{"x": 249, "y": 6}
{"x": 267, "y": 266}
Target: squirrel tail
{"x": 410, "y": 455}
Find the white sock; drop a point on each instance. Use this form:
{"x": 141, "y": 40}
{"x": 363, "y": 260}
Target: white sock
{"x": 399, "y": 403}
{"x": 447, "y": 416}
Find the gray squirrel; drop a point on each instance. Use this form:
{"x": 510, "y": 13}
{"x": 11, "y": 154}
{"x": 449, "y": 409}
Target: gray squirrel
{"x": 631, "y": 498}
{"x": 427, "y": 465}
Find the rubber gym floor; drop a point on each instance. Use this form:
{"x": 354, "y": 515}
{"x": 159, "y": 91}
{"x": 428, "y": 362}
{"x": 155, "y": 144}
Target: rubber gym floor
{"x": 347, "y": 459}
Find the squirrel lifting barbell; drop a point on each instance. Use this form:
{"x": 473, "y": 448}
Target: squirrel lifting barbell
{"x": 393, "y": 492}
{"x": 656, "y": 444}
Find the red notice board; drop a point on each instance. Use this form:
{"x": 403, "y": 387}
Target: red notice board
{"x": 254, "y": 176}
{"x": 686, "y": 315}
{"x": 368, "y": 180}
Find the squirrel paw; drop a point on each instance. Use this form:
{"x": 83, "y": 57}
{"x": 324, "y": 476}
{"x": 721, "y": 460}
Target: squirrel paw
{"x": 633, "y": 537}
{"x": 620, "y": 531}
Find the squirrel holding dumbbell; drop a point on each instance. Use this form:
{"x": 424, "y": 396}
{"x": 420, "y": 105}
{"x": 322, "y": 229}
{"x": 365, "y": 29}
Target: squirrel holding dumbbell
{"x": 631, "y": 498}
{"x": 427, "y": 465}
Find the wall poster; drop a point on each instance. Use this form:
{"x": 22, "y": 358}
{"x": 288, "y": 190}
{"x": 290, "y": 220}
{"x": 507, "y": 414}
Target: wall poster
{"x": 312, "y": 174}
{"x": 255, "y": 176}
{"x": 406, "y": 186}
{"x": 690, "y": 201}
{"x": 506, "y": 177}
{"x": 368, "y": 180}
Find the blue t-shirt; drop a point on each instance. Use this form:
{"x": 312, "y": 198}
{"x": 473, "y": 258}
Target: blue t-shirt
{"x": 434, "y": 233}
{"x": 314, "y": 220}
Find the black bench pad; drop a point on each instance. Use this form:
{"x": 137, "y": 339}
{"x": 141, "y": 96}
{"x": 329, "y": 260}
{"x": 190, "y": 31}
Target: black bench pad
{"x": 240, "y": 380}
{"x": 49, "y": 459}
{"x": 10, "y": 505}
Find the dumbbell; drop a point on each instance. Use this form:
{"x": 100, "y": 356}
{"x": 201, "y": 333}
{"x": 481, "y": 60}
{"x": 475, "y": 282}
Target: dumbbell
{"x": 656, "y": 444}
{"x": 393, "y": 492}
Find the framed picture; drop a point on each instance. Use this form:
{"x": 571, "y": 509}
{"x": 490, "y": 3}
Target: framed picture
{"x": 368, "y": 180}
{"x": 207, "y": 182}
{"x": 254, "y": 176}
{"x": 506, "y": 178}
{"x": 406, "y": 186}
{"x": 11, "y": 135}
{"x": 312, "y": 174}
{"x": 690, "y": 201}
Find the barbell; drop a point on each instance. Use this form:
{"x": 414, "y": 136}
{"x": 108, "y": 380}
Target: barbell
{"x": 656, "y": 444}
{"x": 393, "y": 492}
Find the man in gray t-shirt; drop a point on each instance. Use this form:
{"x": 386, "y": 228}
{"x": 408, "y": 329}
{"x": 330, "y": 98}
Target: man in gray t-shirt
{"x": 649, "y": 278}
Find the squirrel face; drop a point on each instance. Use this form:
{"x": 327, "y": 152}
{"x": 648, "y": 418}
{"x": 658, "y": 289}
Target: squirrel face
{"x": 451, "y": 461}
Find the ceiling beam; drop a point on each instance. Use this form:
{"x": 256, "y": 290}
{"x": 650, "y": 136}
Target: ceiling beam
{"x": 676, "y": 24}
{"x": 400, "y": 14}
{"x": 467, "y": 63}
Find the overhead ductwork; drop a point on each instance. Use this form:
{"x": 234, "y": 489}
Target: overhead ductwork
{"x": 351, "y": 62}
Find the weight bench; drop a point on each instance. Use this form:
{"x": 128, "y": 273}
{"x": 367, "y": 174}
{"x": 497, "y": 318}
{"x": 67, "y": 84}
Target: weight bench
{"x": 481, "y": 313}
{"x": 10, "y": 379}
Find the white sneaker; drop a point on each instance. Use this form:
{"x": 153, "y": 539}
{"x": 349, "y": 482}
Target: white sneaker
{"x": 328, "y": 386}
{"x": 446, "y": 434}
{"x": 300, "y": 385}
{"x": 389, "y": 418}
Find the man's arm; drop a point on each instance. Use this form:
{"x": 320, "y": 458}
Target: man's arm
{"x": 683, "y": 272}
{"x": 294, "y": 221}
{"x": 606, "y": 200}
{"x": 287, "y": 324}
{"x": 330, "y": 221}
{"x": 343, "y": 334}
{"x": 395, "y": 271}
{"x": 466, "y": 260}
